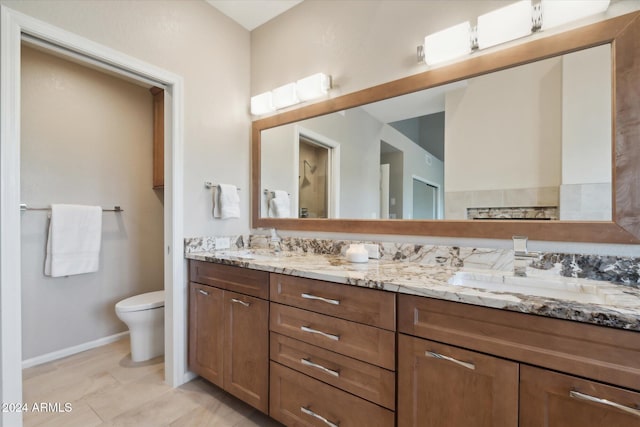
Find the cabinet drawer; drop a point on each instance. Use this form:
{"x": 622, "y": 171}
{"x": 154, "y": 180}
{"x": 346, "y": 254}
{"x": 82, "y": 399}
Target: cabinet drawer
{"x": 298, "y": 400}
{"x": 237, "y": 279}
{"x": 369, "y": 306}
{"x": 605, "y": 354}
{"x": 352, "y": 339}
{"x": 444, "y": 384}
{"x": 362, "y": 379}
{"x": 552, "y": 399}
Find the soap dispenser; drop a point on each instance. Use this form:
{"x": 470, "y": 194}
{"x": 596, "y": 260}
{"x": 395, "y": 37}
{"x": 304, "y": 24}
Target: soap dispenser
{"x": 357, "y": 253}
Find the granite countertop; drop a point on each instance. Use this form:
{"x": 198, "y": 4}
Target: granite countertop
{"x": 583, "y": 300}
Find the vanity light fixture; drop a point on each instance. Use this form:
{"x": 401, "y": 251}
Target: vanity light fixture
{"x": 558, "y": 12}
{"x": 285, "y": 96}
{"x": 508, "y": 23}
{"x": 312, "y": 87}
{"x": 505, "y": 24}
{"x": 262, "y": 104}
{"x": 306, "y": 89}
{"x": 448, "y": 44}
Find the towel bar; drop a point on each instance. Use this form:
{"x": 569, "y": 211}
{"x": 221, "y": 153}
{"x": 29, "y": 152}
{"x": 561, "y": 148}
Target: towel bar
{"x": 272, "y": 193}
{"x": 25, "y": 207}
{"x": 209, "y": 184}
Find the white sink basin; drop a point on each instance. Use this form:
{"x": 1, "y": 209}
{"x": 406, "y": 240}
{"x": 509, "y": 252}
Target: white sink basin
{"x": 557, "y": 287}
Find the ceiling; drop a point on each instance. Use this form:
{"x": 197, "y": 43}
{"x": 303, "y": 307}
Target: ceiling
{"x": 252, "y": 13}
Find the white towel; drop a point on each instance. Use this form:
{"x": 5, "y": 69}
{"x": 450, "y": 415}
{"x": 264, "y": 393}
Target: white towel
{"x": 226, "y": 202}
{"x": 280, "y": 205}
{"x": 73, "y": 244}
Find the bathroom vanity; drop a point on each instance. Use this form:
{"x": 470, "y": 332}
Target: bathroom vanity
{"x": 395, "y": 343}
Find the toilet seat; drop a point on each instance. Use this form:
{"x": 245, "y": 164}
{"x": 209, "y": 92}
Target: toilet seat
{"x": 141, "y": 302}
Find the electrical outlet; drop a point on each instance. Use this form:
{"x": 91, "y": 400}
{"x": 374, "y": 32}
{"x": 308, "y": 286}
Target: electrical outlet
{"x": 373, "y": 250}
{"x": 222, "y": 243}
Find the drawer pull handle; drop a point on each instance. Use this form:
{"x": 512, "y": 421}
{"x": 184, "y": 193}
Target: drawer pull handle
{"x": 450, "y": 359}
{"x": 582, "y": 396}
{"x": 320, "y": 417}
{"x": 315, "y": 297}
{"x": 331, "y": 372}
{"x": 237, "y": 301}
{"x": 203, "y": 292}
{"x": 324, "y": 334}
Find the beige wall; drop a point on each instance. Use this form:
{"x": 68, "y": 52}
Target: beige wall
{"x": 504, "y": 130}
{"x": 211, "y": 52}
{"x": 86, "y": 139}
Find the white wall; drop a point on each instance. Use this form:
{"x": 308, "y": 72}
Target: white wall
{"x": 586, "y": 135}
{"x": 192, "y": 39}
{"x": 87, "y": 138}
{"x": 278, "y": 149}
{"x": 586, "y": 116}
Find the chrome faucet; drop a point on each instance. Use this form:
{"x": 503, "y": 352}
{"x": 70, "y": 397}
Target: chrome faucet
{"x": 522, "y": 257}
{"x": 275, "y": 240}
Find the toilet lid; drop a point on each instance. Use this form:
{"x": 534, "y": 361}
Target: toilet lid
{"x": 142, "y": 302}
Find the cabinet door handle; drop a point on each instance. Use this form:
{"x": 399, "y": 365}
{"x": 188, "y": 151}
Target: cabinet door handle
{"x": 315, "y": 297}
{"x": 582, "y": 396}
{"x": 237, "y": 301}
{"x": 331, "y": 372}
{"x": 320, "y": 417}
{"x": 324, "y": 334}
{"x": 203, "y": 292}
{"x": 450, "y": 359}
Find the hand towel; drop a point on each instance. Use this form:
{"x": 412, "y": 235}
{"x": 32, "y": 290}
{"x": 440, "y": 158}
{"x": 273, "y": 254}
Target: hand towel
{"x": 280, "y": 205}
{"x": 73, "y": 243}
{"x": 226, "y": 203}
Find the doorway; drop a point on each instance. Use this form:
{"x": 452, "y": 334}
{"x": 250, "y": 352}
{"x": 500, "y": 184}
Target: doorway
{"x": 87, "y": 140}
{"x": 15, "y": 27}
{"x": 425, "y": 199}
{"x": 313, "y": 181}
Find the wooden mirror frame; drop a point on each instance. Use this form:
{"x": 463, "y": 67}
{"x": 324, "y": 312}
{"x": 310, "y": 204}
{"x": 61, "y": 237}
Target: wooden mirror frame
{"x": 623, "y": 33}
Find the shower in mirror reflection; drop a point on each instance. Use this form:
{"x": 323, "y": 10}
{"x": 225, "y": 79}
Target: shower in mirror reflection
{"x": 313, "y": 180}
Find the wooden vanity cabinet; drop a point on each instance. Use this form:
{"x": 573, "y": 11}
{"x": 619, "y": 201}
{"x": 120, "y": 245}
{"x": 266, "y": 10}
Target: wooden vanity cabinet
{"x": 228, "y": 330}
{"x": 444, "y": 385}
{"x": 332, "y": 354}
{"x": 503, "y": 388}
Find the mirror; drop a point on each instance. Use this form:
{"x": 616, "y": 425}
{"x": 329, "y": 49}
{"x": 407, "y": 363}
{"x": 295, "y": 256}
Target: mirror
{"x": 541, "y": 149}
{"x": 545, "y": 181}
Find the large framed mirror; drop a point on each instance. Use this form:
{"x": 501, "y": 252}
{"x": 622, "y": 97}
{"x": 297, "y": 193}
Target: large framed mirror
{"x": 541, "y": 139}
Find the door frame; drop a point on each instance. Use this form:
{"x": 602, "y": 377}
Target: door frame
{"x": 13, "y": 26}
{"x": 333, "y": 187}
{"x": 438, "y": 196}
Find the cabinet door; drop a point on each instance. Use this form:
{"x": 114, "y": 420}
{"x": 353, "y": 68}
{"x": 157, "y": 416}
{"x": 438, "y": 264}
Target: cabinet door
{"x": 441, "y": 385}
{"x": 206, "y": 332}
{"x": 246, "y": 366}
{"x": 557, "y": 400}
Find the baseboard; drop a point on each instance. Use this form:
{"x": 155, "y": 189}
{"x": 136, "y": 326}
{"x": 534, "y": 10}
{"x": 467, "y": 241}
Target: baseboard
{"x": 59, "y": 354}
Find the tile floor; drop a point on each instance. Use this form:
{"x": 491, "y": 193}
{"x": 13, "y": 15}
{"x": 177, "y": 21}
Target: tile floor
{"x": 105, "y": 388}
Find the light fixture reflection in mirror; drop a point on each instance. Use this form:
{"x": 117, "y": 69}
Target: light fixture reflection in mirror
{"x": 530, "y": 142}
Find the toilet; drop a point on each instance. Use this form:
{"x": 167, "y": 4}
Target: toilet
{"x": 144, "y": 315}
